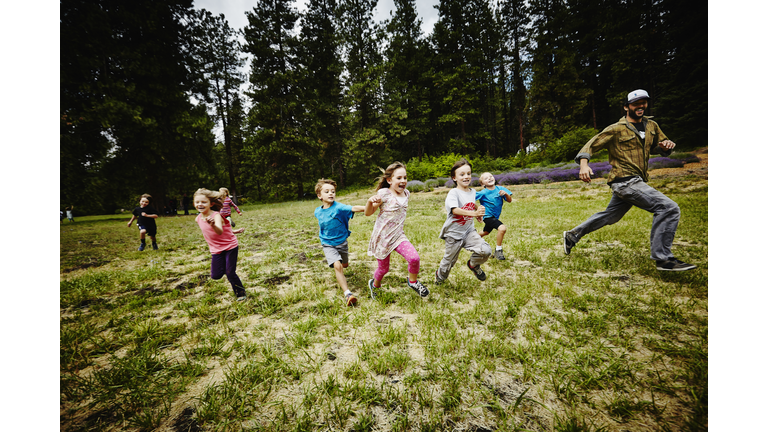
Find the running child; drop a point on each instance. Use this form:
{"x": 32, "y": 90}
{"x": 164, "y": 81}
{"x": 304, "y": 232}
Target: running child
{"x": 492, "y": 197}
{"x": 145, "y": 216}
{"x": 458, "y": 230}
{"x": 388, "y": 236}
{"x": 221, "y": 240}
{"x": 333, "y": 218}
{"x": 226, "y": 205}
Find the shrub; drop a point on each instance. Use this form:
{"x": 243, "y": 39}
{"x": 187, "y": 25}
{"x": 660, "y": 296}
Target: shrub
{"x": 432, "y": 183}
{"x": 416, "y": 186}
{"x": 664, "y": 162}
{"x": 432, "y": 166}
{"x": 567, "y": 147}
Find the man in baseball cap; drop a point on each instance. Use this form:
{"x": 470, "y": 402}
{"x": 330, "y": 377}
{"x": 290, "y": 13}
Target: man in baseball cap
{"x": 630, "y": 142}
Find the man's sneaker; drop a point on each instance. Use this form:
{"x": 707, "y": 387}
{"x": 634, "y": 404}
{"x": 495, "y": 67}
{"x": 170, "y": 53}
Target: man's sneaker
{"x": 372, "y": 288}
{"x": 351, "y": 299}
{"x": 154, "y": 246}
{"x": 142, "y": 246}
{"x": 673, "y": 264}
{"x": 418, "y": 287}
{"x": 479, "y": 273}
{"x": 499, "y": 255}
{"x": 567, "y": 243}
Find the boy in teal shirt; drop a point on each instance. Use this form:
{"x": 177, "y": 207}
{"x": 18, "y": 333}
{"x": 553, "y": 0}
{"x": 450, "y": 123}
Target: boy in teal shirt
{"x": 492, "y": 197}
{"x": 333, "y": 218}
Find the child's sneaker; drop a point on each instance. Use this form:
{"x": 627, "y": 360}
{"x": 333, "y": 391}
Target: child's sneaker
{"x": 372, "y": 288}
{"x": 154, "y": 245}
{"x": 241, "y": 298}
{"x": 418, "y": 287}
{"x": 479, "y": 273}
{"x": 351, "y": 299}
{"x": 499, "y": 255}
{"x": 142, "y": 246}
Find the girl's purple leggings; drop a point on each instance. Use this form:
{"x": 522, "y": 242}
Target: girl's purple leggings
{"x": 408, "y": 252}
{"x": 226, "y": 263}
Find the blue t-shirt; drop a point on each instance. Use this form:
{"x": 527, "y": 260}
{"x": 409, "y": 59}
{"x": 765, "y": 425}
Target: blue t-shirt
{"x": 334, "y": 223}
{"x": 492, "y": 201}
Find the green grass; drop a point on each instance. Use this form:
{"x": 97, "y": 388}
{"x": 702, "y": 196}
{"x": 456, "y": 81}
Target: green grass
{"x": 595, "y": 341}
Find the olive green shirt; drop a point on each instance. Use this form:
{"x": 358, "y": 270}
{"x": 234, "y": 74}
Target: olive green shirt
{"x": 628, "y": 154}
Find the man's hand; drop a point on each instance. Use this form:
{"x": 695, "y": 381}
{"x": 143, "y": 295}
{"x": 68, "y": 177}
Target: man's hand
{"x": 585, "y": 172}
{"x": 667, "y": 145}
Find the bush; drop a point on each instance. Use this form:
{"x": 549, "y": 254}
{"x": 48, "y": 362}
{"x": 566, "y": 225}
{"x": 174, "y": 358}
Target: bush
{"x": 567, "y": 147}
{"x": 416, "y": 186}
{"x": 431, "y": 167}
{"x": 664, "y": 162}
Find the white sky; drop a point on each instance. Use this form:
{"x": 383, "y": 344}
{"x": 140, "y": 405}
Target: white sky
{"x": 234, "y": 11}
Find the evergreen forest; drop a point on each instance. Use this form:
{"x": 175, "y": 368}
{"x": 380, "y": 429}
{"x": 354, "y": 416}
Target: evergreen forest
{"x": 161, "y": 97}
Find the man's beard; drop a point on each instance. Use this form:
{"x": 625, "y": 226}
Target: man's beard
{"x": 634, "y": 116}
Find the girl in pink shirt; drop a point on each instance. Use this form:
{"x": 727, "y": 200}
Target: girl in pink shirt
{"x": 221, "y": 240}
{"x": 388, "y": 236}
{"x": 226, "y": 205}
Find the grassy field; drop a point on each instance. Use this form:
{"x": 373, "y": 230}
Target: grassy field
{"x": 595, "y": 341}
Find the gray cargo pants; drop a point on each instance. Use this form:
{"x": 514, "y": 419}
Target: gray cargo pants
{"x": 635, "y": 192}
{"x": 480, "y": 249}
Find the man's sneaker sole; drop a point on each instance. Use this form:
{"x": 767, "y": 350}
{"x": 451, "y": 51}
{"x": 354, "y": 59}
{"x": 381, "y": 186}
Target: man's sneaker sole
{"x": 567, "y": 243}
{"x": 673, "y": 265}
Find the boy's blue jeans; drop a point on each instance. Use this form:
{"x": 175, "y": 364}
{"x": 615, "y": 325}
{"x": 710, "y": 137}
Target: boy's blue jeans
{"x": 635, "y": 192}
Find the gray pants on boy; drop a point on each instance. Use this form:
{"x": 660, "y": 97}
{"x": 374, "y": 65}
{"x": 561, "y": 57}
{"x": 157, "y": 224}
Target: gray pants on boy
{"x": 480, "y": 249}
{"x": 635, "y": 192}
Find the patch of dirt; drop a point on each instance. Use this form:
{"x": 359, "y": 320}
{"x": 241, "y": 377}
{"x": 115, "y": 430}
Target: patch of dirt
{"x": 700, "y": 168}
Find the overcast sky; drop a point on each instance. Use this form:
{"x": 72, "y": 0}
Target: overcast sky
{"x": 234, "y": 10}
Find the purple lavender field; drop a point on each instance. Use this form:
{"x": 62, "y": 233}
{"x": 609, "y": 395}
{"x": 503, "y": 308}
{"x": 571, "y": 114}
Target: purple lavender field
{"x": 570, "y": 172}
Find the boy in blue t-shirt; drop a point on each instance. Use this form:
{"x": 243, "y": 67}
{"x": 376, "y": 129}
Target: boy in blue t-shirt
{"x": 333, "y": 218}
{"x": 492, "y": 197}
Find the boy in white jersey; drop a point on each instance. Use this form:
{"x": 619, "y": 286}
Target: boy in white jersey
{"x": 458, "y": 230}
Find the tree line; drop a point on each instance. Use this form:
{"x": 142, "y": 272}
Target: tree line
{"x": 332, "y": 93}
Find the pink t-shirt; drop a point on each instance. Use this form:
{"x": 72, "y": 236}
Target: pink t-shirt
{"x": 217, "y": 243}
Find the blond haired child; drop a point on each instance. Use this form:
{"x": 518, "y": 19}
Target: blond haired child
{"x": 388, "y": 235}
{"x": 458, "y": 230}
{"x": 492, "y": 197}
{"x": 145, "y": 216}
{"x": 226, "y": 205}
{"x": 221, "y": 240}
{"x": 333, "y": 218}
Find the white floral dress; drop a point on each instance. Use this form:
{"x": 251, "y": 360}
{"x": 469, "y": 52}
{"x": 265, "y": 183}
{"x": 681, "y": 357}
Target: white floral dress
{"x": 388, "y": 230}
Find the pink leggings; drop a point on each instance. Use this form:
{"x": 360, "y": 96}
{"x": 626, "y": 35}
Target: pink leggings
{"x": 408, "y": 252}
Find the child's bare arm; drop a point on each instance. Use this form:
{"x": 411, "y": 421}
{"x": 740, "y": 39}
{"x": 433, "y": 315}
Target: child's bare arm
{"x": 373, "y": 203}
{"x": 473, "y": 213}
{"x": 133, "y": 218}
{"x": 358, "y": 208}
{"x": 507, "y": 197}
{"x": 216, "y": 222}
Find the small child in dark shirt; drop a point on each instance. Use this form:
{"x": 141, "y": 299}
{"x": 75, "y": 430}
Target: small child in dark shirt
{"x": 145, "y": 216}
